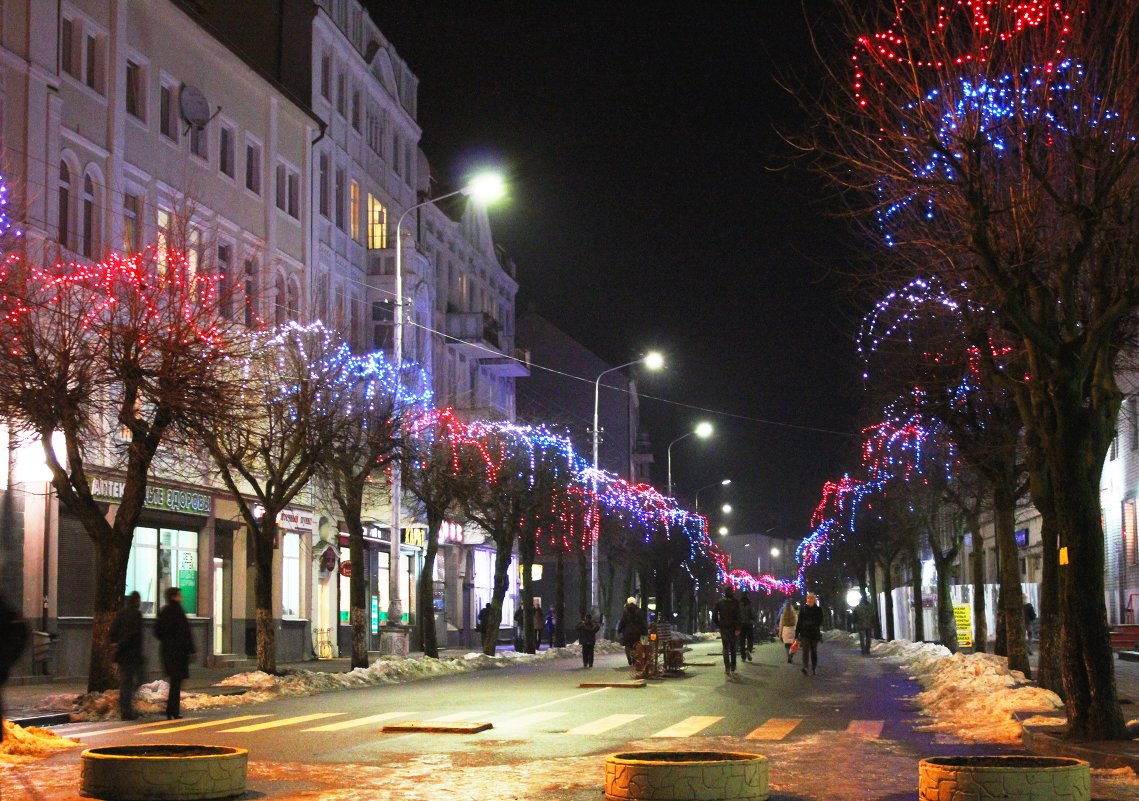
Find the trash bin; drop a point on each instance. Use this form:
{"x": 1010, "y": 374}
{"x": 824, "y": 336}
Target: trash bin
{"x": 42, "y": 647}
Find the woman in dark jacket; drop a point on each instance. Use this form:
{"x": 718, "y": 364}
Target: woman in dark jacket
{"x": 809, "y": 630}
{"x": 632, "y": 627}
{"x": 176, "y": 645}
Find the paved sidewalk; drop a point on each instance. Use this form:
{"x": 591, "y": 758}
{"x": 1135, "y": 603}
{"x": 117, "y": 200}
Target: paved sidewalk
{"x": 22, "y": 696}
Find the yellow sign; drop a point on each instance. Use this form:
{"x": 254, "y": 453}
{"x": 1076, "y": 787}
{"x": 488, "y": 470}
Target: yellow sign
{"x": 963, "y": 614}
{"x": 1064, "y": 555}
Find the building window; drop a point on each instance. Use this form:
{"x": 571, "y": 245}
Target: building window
{"x": 280, "y": 302}
{"x": 64, "y": 203}
{"x": 342, "y": 95}
{"x": 294, "y": 209}
{"x": 339, "y": 199}
{"x": 167, "y": 112}
{"x": 132, "y": 223}
{"x": 377, "y": 223}
{"x": 94, "y": 63}
{"x": 326, "y": 75}
{"x": 136, "y": 91}
{"x": 67, "y": 40}
{"x": 322, "y": 185}
{"x": 161, "y": 558}
{"x": 90, "y": 244}
{"x": 164, "y": 220}
{"x": 288, "y": 190}
{"x": 226, "y": 150}
{"x": 282, "y": 190}
{"x": 291, "y": 575}
{"x": 253, "y": 167}
{"x": 1114, "y": 450}
{"x": 250, "y": 291}
{"x": 199, "y": 142}
{"x": 224, "y": 284}
{"x": 354, "y": 210}
{"x": 1130, "y": 553}
{"x": 356, "y": 110}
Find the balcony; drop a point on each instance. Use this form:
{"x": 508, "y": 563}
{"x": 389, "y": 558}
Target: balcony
{"x": 506, "y": 367}
{"x": 474, "y": 334}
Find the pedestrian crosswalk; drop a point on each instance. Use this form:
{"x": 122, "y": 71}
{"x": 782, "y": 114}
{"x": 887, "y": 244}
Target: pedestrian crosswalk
{"x": 564, "y": 722}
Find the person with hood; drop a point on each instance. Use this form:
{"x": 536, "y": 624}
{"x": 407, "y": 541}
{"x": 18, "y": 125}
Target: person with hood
{"x": 176, "y": 646}
{"x": 809, "y": 631}
{"x": 864, "y": 621}
{"x": 631, "y": 627}
{"x": 126, "y": 636}
{"x": 787, "y": 620}
{"x": 587, "y": 636}
{"x": 726, "y": 617}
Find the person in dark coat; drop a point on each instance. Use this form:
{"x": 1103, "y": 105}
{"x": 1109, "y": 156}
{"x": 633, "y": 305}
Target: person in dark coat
{"x": 519, "y": 628}
{"x": 809, "y": 631}
{"x": 631, "y": 627}
{"x": 126, "y": 635}
{"x": 550, "y": 627}
{"x": 13, "y": 640}
{"x": 864, "y": 621}
{"x": 747, "y": 627}
{"x": 726, "y": 617}
{"x": 587, "y": 636}
{"x": 176, "y": 645}
{"x": 538, "y": 624}
{"x": 484, "y": 616}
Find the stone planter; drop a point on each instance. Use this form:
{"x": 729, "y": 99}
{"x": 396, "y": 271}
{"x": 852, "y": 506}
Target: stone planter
{"x": 162, "y": 772}
{"x": 688, "y": 775}
{"x": 1015, "y": 778}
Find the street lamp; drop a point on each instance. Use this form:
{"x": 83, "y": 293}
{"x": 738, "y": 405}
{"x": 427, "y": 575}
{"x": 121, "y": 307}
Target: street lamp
{"x": 723, "y": 483}
{"x": 485, "y": 187}
{"x": 652, "y": 360}
{"x": 703, "y": 430}
{"x": 726, "y": 508}
{"x": 723, "y": 531}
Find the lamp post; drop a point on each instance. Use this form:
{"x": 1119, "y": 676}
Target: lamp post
{"x": 653, "y": 361}
{"x": 723, "y": 483}
{"x": 702, "y": 430}
{"x": 485, "y": 187}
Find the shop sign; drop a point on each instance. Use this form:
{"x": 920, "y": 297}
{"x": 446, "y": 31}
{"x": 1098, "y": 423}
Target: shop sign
{"x": 1022, "y": 538}
{"x": 188, "y": 580}
{"x": 415, "y": 536}
{"x": 290, "y": 518}
{"x": 450, "y": 533}
{"x": 167, "y": 499}
{"x": 963, "y": 616}
{"x": 346, "y": 569}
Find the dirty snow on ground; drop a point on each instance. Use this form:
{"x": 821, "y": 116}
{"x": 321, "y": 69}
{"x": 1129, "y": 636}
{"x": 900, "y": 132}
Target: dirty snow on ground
{"x": 23, "y": 744}
{"x": 971, "y": 696}
{"x": 264, "y": 687}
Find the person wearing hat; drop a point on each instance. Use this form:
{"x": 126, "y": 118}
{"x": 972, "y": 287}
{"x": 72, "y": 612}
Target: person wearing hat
{"x": 587, "y": 637}
{"x": 632, "y": 627}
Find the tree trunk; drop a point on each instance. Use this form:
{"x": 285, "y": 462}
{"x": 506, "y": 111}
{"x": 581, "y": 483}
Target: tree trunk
{"x": 915, "y": 587}
{"x": 1048, "y": 673}
{"x": 889, "y": 581}
{"x": 946, "y": 622}
{"x": 527, "y": 550}
{"x": 263, "y": 539}
{"x": 559, "y": 599}
{"x": 980, "y": 620}
{"x": 425, "y": 600}
{"x": 502, "y": 556}
{"x": 1011, "y": 609}
{"x": 873, "y": 571}
{"x": 353, "y": 502}
{"x": 583, "y": 587}
{"x": 111, "y": 555}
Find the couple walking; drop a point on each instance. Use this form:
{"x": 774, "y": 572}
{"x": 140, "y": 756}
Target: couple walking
{"x": 734, "y": 618}
{"x": 804, "y": 628}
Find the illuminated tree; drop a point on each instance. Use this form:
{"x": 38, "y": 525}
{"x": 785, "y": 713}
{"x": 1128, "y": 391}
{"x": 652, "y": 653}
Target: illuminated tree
{"x": 117, "y": 360}
{"x": 294, "y": 389}
{"x": 364, "y": 444}
{"x": 995, "y": 143}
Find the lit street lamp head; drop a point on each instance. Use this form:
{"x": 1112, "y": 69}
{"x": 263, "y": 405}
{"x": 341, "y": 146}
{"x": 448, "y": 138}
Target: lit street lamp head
{"x": 704, "y": 429}
{"x": 653, "y": 360}
{"x": 486, "y": 187}
{"x": 726, "y": 508}
{"x": 726, "y": 482}
{"x": 723, "y": 531}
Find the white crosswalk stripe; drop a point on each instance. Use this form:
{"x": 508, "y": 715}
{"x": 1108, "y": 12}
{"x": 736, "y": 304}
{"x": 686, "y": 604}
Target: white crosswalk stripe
{"x": 689, "y": 726}
{"x": 531, "y": 719}
{"x": 341, "y": 725}
{"x": 604, "y": 724}
{"x": 206, "y": 725}
{"x": 774, "y": 729}
{"x": 276, "y": 724}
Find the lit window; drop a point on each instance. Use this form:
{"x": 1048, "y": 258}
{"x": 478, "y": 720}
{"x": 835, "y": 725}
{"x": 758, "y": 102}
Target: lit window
{"x": 290, "y": 575}
{"x": 377, "y": 223}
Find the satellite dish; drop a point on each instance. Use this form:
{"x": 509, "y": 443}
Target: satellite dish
{"x": 195, "y": 108}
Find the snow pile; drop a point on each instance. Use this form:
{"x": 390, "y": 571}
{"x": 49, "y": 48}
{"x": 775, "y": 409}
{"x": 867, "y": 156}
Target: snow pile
{"x": 973, "y": 696}
{"x": 22, "y": 745}
{"x": 263, "y": 687}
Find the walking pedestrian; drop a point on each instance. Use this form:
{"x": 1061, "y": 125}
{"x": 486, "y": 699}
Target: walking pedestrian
{"x": 587, "y": 636}
{"x": 550, "y": 627}
{"x": 176, "y": 646}
{"x": 747, "y": 627}
{"x": 808, "y": 631}
{"x": 13, "y": 640}
{"x": 519, "y": 628}
{"x": 864, "y": 621}
{"x": 1029, "y": 619}
{"x": 726, "y": 616}
{"x": 787, "y": 620}
{"x": 126, "y": 636}
{"x": 631, "y": 627}
{"x": 480, "y": 624}
{"x": 538, "y": 624}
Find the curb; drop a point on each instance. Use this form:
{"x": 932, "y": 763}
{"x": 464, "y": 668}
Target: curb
{"x": 47, "y": 719}
{"x": 1049, "y": 741}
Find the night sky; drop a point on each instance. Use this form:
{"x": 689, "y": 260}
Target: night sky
{"x": 654, "y": 203}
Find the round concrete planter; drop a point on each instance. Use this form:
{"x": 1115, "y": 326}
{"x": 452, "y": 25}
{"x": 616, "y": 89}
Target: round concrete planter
{"x": 162, "y": 772}
{"x": 688, "y": 775}
{"x": 1016, "y": 778}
